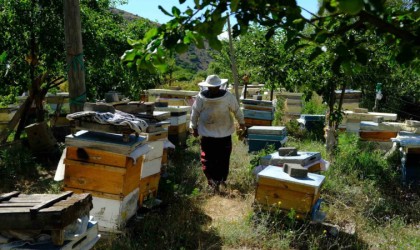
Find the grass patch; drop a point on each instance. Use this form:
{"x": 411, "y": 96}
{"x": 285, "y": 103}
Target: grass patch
{"x": 21, "y": 171}
{"x": 362, "y": 189}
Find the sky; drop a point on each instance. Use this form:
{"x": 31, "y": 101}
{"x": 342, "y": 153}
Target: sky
{"x": 149, "y": 8}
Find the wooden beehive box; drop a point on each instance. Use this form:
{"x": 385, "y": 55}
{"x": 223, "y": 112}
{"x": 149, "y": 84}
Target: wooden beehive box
{"x": 258, "y": 114}
{"x": 256, "y": 122}
{"x": 43, "y": 212}
{"x": 101, "y": 171}
{"x": 156, "y": 136}
{"x": 177, "y": 129}
{"x": 105, "y": 141}
{"x": 261, "y": 136}
{"x": 277, "y": 188}
{"x": 112, "y": 211}
{"x": 148, "y": 188}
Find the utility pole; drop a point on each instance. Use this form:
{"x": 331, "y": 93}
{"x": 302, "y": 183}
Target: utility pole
{"x": 233, "y": 61}
{"x": 74, "y": 50}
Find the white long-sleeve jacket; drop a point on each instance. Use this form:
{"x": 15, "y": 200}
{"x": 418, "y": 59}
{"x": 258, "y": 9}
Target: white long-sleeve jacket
{"x": 212, "y": 117}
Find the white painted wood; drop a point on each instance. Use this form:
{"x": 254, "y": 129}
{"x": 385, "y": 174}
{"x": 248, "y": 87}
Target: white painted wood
{"x": 293, "y": 102}
{"x": 277, "y": 173}
{"x": 172, "y": 101}
{"x": 369, "y": 116}
{"x": 114, "y": 214}
{"x": 59, "y": 173}
{"x": 171, "y": 92}
{"x": 178, "y": 120}
{"x": 267, "y": 130}
{"x": 175, "y": 109}
{"x": 156, "y": 150}
{"x": 302, "y": 158}
{"x": 151, "y": 167}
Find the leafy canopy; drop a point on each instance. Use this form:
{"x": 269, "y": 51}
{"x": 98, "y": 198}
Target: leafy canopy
{"x": 337, "y": 20}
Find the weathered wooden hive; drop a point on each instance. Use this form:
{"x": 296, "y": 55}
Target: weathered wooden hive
{"x": 21, "y": 214}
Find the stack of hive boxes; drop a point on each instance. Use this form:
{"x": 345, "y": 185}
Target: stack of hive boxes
{"x": 409, "y": 145}
{"x": 257, "y": 112}
{"x": 351, "y": 119}
{"x": 157, "y": 137}
{"x": 351, "y": 98}
{"x": 109, "y": 168}
{"x": 179, "y": 122}
{"x": 260, "y": 137}
{"x": 292, "y": 104}
{"x": 157, "y": 140}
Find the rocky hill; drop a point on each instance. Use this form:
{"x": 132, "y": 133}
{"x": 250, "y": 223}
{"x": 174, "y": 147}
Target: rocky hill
{"x": 194, "y": 59}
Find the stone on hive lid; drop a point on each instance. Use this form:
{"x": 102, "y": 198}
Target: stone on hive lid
{"x": 295, "y": 170}
{"x": 287, "y": 151}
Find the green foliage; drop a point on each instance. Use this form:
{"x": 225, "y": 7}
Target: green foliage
{"x": 360, "y": 158}
{"x": 255, "y": 161}
{"x": 6, "y": 100}
{"x": 293, "y": 129}
{"x": 314, "y": 106}
{"x": 278, "y": 112}
{"x": 38, "y": 26}
{"x": 193, "y": 25}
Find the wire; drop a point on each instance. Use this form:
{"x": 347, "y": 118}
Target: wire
{"x": 399, "y": 99}
{"x": 401, "y": 111}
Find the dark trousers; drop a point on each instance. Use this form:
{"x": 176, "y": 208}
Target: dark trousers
{"x": 215, "y": 156}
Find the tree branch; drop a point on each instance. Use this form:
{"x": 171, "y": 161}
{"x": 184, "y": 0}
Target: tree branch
{"x": 382, "y": 25}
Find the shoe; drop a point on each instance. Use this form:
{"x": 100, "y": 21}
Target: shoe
{"x": 222, "y": 187}
{"x": 213, "y": 187}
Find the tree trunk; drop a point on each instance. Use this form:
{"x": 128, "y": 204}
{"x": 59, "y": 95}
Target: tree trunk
{"x": 233, "y": 62}
{"x": 330, "y": 133}
{"x": 74, "y": 49}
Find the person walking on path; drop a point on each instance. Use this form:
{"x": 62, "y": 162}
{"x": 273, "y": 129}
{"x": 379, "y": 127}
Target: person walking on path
{"x": 211, "y": 118}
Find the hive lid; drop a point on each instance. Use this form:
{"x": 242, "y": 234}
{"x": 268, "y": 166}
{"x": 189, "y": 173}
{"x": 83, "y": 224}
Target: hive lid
{"x": 277, "y": 173}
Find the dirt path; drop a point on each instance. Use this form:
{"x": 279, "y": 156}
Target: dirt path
{"x": 225, "y": 208}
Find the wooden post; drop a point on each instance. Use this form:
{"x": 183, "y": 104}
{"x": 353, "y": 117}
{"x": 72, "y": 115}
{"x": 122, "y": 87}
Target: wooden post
{"x": 233, "y": 61}
{"x": 74, "y": 49}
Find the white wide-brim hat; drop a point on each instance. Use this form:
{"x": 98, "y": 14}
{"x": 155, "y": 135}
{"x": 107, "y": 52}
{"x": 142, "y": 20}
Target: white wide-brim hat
{"x": 212, "y": 81}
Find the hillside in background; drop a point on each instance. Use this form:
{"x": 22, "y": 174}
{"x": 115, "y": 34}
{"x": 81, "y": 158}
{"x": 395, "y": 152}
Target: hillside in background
{"x": 193, "y": 61}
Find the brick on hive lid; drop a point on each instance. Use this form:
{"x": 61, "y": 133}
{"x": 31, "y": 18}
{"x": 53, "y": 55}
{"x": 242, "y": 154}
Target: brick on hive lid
{"x": 287, "y": 151}
{"x": 295, "y": 170}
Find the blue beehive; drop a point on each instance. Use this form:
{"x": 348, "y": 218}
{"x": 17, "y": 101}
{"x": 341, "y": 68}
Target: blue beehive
{"x": 411, "y": 168}
{"x": 260, "y": 137}
{"x": 410, "y": 161}
{"x": 258, "y": 114}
